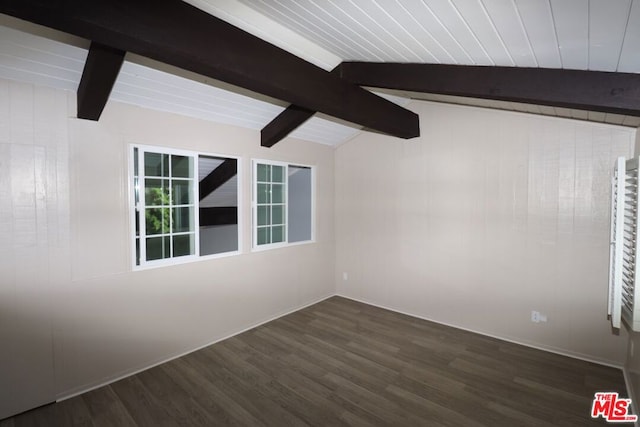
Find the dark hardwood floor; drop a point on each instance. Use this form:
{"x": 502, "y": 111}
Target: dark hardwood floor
{"x": 339, "y": 363}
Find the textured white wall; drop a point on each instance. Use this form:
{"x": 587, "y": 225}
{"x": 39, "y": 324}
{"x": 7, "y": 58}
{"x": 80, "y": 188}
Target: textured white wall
{"x": 73, "y": 314}
{"x": 487, "y": 216}
{"x": 34, "y": 238}
{"x": 145, "y": 316}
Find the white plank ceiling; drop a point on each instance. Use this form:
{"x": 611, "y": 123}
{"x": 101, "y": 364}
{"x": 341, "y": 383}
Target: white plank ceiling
{"x": 601, "y": 35}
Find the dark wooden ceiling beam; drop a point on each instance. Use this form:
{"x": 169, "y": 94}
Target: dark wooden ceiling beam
{"x": 176, "y": 33}
{"x": 221, "y": 174}
{"x": 606, "y": 92}
{"x": 100, "y": 72}
{"x": 286, "y": 122}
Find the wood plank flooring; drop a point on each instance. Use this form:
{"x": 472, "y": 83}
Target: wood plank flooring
{"x": 344, "y": 363}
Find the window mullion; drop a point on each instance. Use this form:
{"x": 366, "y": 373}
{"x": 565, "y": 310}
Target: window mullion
{"x": 285, "y": 207}
{"x": 171, "y": 201}
{"x": 142, "y": 206}
{"x": 195, "y": 191}
{"x": 254, "y": 205}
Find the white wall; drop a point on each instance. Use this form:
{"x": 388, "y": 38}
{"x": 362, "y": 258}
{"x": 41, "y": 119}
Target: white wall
{"x": 69, "y": 285}
{"x": 487, "y": 216}
{"x": 34, "y": 238}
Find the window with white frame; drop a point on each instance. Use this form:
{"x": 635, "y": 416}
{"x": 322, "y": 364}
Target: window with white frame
{"x": 282, "y": 204}
{"x": 185, "y": 205}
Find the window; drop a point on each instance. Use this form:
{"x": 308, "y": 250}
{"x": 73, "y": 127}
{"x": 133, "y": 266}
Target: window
{"x": 185, "y": 205}
{"x": 282, "y": 200}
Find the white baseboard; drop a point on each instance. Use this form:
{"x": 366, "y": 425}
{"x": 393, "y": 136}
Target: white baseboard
{"x": 129, "y": 372}
{"x": 549, "y": 349}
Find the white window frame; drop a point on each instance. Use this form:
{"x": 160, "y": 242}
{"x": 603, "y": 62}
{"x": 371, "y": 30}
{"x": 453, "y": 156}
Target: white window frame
{"x": 254, "y": 204}
{"x": 133, "y": 211}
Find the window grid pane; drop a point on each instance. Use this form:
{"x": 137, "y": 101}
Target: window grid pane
{"x": 270, "y": 204}
{"x": 277, "y": 174}
{"x": 169, "y": 211}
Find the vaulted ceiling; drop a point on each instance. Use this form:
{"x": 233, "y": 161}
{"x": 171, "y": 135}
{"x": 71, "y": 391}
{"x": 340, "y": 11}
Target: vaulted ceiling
{"x": 596, "y": 35}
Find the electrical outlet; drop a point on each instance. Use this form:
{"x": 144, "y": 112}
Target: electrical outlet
{"x": 535, "y": 317}
{"x": 345, "y": 276}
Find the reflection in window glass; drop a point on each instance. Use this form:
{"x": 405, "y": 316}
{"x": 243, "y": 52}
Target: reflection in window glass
{"x": 283, "y": 198}
{"x": 218, "y": 205}
{"x": 300, "y": 204}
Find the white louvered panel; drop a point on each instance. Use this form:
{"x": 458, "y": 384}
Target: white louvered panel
{"x": 607, "y": 26}
{"x": 623, "y": 258}
{"x": 614, "y": 308}
{"x": 629, "y": 58}
{"x": 538, "y": 23}
{"x": 630, "y": 248}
